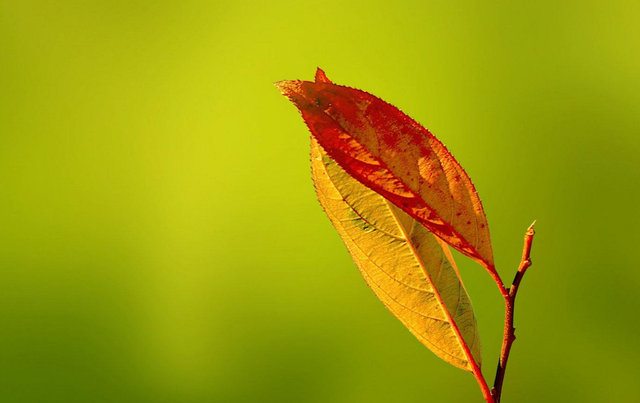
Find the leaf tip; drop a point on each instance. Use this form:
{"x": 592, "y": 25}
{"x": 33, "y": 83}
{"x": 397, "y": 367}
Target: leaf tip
{"x": 288, "y": 87}
{"x": 282, "y": 85}
{"x": 321, "y": 76}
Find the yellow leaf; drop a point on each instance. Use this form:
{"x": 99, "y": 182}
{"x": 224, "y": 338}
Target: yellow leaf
{"x": 403, "y": 263}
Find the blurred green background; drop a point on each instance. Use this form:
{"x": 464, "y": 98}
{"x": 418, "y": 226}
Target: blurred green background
{"x": 160, "y": 240}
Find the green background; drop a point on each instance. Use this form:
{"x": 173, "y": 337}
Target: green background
{"x": 160, "y": 240}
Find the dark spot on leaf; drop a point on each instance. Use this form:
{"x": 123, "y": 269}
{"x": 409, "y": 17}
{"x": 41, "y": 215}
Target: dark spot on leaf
{"x": 359, "y": 221}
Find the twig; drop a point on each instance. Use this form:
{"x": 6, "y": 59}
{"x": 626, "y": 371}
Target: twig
{"x": 510, "y": 300}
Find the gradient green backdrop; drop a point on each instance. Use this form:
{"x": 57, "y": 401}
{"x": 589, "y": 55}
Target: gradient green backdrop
{"x": 160, "y": 240}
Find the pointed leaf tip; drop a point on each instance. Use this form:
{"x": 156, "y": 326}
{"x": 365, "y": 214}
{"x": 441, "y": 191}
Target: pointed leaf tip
{"x": 283, "y": 86}
{"x": 321, "y": 77}
{"x": 289, "y": 88}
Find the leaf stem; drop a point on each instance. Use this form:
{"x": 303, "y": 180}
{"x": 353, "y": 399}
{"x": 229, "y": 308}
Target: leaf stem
{"x": 496, "y": 277}
{"x": 510, "y": 300}
{"x": 486, "y": 392}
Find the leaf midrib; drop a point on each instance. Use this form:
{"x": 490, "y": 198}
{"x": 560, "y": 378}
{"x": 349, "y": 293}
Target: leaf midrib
{"x": 451, "y": 320}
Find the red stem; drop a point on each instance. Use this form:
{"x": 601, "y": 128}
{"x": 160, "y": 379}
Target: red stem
{"x": 510, "y": 300}
{"x": 486, "y": 392}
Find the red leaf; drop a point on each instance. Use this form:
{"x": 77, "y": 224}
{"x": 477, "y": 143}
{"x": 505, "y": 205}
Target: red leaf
{"x": 395, "y": 156}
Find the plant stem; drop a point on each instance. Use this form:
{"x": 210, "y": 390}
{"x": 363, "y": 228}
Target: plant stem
{"x": 510, "y": 300}
{"x": 496, "y": 277}
{"x": 486, "y": 392}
